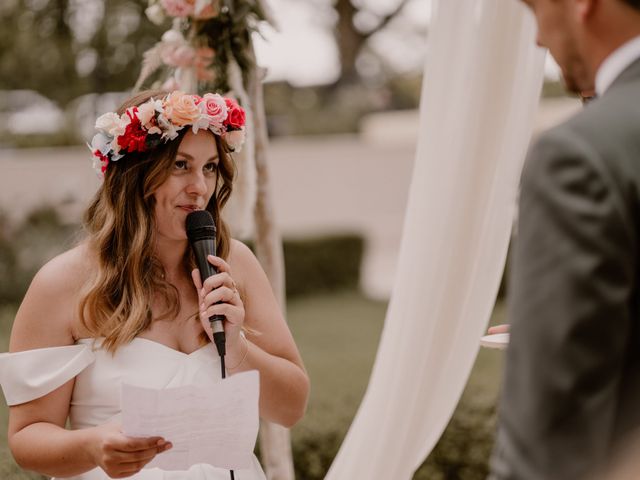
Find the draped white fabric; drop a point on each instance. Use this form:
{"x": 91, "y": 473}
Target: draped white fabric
{"x": 483, "y": 77}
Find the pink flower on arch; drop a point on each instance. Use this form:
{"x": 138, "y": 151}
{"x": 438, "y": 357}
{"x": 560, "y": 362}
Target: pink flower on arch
{"x": 178, "y": 8}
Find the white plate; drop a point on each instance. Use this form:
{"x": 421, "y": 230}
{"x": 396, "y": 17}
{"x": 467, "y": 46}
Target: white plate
{"x": 497, "y": 340}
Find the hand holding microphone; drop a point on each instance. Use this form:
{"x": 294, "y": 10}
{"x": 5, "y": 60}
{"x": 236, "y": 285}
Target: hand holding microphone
{"x": 221, "y": 308}
{"x": 219, "y": 299}
{"x": 220, "y": 305}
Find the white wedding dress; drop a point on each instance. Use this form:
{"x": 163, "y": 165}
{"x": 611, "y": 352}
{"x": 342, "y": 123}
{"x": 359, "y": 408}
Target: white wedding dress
{"x": 95, "y": 400}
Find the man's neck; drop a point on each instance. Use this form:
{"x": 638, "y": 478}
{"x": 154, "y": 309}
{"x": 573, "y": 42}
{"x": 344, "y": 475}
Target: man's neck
{"x": 611, "y": 30}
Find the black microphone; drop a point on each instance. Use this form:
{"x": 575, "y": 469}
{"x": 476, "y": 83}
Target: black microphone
{"x": 201, "y": 231}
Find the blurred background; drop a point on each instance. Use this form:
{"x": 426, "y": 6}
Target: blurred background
{"x": 342, "y": 94}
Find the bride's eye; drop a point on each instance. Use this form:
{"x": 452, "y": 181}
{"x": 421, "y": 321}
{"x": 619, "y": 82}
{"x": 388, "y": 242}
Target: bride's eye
{"x": 180, "y": 165}
{"x": 210, "y": 167}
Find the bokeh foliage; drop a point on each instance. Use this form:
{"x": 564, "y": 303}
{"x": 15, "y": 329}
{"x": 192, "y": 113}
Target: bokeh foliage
{"x": 67, "y": 48}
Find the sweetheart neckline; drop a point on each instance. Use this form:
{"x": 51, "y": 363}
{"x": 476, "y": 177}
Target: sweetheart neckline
{"x": 147, "y": 340}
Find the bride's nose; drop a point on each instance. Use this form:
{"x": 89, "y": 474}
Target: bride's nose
{"x": 197, "y": 184}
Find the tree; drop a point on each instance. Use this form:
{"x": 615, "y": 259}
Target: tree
{"x": 66, "y": 48}
{"x": 351, "y": 39}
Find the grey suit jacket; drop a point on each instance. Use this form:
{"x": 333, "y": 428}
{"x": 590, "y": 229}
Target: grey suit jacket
{"x": 572, "y": 378}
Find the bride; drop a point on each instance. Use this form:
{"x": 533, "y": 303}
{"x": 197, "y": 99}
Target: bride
{"x": 126, "y": 304}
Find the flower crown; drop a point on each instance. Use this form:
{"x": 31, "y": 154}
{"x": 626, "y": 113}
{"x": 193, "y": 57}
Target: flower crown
{"x": 146, "y": 126}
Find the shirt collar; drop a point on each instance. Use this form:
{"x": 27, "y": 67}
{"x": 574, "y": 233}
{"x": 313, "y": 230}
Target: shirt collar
{"x": 616, "y": 63}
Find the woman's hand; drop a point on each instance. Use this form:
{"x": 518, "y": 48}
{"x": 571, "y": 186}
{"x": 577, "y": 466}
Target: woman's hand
{"x": 219, "y": 296}
{"x": 121, "y": 456}
{"x": 504, "y": 328}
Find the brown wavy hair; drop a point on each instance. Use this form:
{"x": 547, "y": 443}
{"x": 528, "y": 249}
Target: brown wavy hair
{"x": 121, "y": 232}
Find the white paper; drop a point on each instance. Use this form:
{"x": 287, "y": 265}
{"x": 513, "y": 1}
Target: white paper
{"x": 217, "y": 425}
{"x": 498, "y": 341}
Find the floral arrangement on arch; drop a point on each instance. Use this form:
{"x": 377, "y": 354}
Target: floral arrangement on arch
{"x": 204, "y": 38}
{"x": 197, "y": 9}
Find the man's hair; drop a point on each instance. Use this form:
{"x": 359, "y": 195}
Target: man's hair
{"x": 634, "y": 3}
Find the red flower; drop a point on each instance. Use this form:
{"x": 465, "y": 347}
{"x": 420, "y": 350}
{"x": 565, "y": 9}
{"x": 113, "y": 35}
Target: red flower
{"x": 235, "y": 114}
{"x": 104, "y": 160}
{"x": 134, "y": 137}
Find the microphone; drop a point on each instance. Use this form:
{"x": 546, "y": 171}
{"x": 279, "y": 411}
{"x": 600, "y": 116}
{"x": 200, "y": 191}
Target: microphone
{"x": 201, "y": 232}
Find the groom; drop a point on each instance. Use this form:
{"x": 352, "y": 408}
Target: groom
{"x": 572, "y": 383}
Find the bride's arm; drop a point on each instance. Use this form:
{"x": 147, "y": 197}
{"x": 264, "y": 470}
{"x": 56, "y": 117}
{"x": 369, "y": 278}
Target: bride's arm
{"x": 36, "y": 434}
{"x": 269, "y": 346}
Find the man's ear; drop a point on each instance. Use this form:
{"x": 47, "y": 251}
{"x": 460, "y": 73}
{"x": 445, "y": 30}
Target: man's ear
{"x": 584, "y": 9}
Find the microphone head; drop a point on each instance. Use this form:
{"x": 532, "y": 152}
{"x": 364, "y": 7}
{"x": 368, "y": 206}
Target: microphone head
{"x": 200, "y": 225}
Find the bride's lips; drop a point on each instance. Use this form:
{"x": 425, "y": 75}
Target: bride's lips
{"x": 189, "y": 208}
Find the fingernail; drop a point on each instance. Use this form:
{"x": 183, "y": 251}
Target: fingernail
{"x": 160, "y": 442}
{"x": 168, "y": 446}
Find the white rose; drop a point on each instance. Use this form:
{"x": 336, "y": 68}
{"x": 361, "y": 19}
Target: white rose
{"x": 101, "y": 142}
{"x": 115, "y": 148}
{"x": 146, "y": 111}
{"x": 169, "y": 130}
{"x": 169, "y": 85}
{"x": 112, "y": 124}
{"x": 155, "y": 13}
{"x": 173, "y": 37}
{"x": 201, "y": 124}
{"x": 234, "y": 139}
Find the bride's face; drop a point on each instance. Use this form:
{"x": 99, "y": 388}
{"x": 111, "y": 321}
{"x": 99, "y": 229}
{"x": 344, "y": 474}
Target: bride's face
{"x": 190, "y": 185}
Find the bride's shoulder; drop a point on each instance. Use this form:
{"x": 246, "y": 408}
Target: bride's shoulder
{"x": 245, "y": 266}
{"x": 240, "y": 255}
{"x": 67, "y": 271}
{"x": 48, "y": 312}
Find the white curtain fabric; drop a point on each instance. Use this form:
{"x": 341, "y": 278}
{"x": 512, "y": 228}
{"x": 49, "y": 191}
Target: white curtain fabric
{"x": 483, "y": 77}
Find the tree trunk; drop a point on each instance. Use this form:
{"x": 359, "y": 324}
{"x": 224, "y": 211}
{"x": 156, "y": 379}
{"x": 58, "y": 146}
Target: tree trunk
{"x": 349, "y": 41}
{"x": 275, "y": 443}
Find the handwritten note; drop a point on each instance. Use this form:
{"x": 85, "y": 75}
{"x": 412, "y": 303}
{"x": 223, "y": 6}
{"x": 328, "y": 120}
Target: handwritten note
{"x": 215, "y": 425}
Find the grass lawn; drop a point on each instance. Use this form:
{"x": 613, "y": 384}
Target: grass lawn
{"x": 338, "y": 336}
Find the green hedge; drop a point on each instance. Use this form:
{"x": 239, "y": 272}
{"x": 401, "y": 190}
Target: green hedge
{"x": 462, "y": 452}
{"x": 315, "y": 265}
{"x": 323, "y": 264}
{"x": 26, "y": 247}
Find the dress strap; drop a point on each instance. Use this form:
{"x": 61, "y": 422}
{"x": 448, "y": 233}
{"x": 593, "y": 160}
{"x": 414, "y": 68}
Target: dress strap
{"x": 31, "y": 374}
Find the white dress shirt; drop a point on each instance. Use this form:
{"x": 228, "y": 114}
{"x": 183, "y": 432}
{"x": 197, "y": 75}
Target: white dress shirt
{"x": 616, "y": 63}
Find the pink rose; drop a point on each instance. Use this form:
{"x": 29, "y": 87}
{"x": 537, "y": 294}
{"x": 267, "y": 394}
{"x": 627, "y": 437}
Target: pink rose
{"x": 177, "y": 55}
{"x": 181, "y": 109}
{"x": 177, "y": 8}
{"x": 216, "y": 108}
{"x": 207, "y": 11}
{"x": 170, "y": 84}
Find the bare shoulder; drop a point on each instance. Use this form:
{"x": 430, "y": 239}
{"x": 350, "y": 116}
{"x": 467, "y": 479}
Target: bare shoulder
{"x": 246, "y": 269}
{"x": 240, "y": 254}
{"x": 48, "y": 313}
